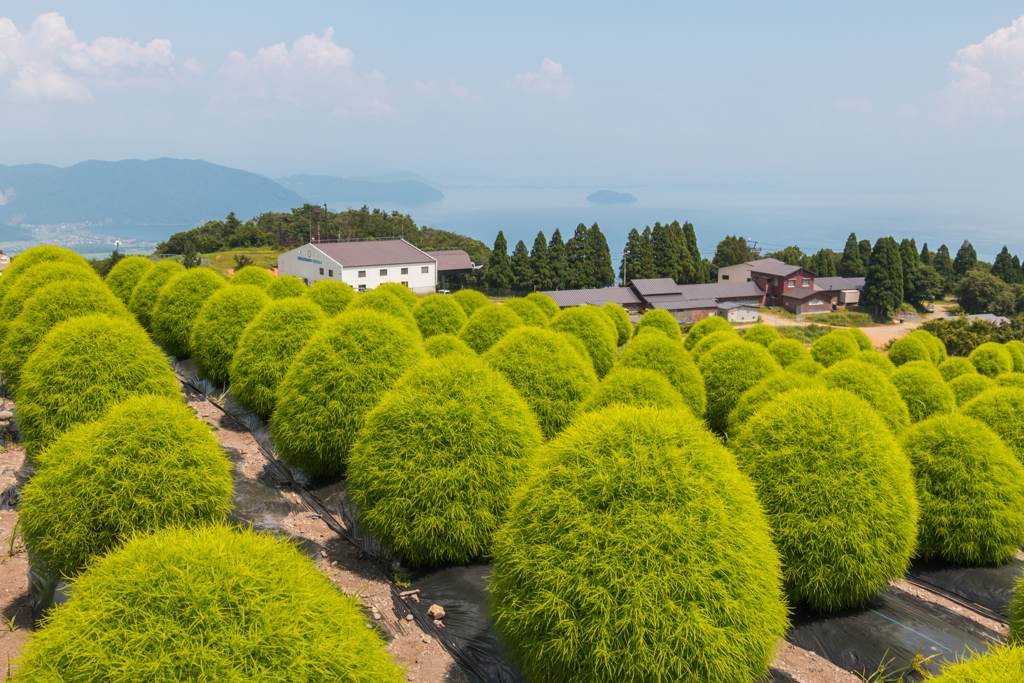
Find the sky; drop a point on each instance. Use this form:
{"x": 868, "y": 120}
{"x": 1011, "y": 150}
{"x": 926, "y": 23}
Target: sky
{"x": 917, "y": 102}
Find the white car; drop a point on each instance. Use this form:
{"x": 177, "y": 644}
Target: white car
{"x": 444, "y": 291}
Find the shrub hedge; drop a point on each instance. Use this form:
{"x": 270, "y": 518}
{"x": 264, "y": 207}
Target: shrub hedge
{"x": 997, "y": 665}
{"x": 906, "y": 349}
{"x": 658, "y": 353}
{"x": 470, "y": 300}
{"x": 951, "y": 368}
{"x": 546, "y": 304}
{"x": 872, "y": 385}
{"x": 936, "y": 348}
{"x": 838, "y": 493}
{"x": 971, "y": 491}
{"x": 285, "y": 286}
{"x": 146, "y": 292}
{"x": 487, "y": 325}
{"x": 631, "y": 386}
{"x": 147, "y": 464}
{"x": 178, "y": 305}
{"x": 1002, "y": 409}
{"x": 220, "y": 324}
{"x": 252, "y": 275}
{"x": 1016, "y": 349}
{"x": 209, "y": 604}
{"x": 338, "y": 377}
{"x": 441, "y": 345}
{"x": 452, "y": 421}
{"x": 385, "y": 301}
{"x": 703, "y": 328}
{"x": 923, "y": 390}
{"x": 32, "y": 257}
{"x": 333, "y": 296}
{"x": 789, "y": 351}
{"x": 1011, "y": 379}
{"x": 528, "y": 312}
{"x": 876, "y": 360}
{"x": 711, "y": 341}
{"x": 729, "y": 369}
{"x": 438, "y": 314}
{"x": 660, "y": 319}
{"x": 765, "y": 335}
{"x": 35, "y": 278}
{"x": 991, "y": 359}
{"x": 266, "y": 349}
{"x": 550, "y": 376}
{"x": 125, "y": 275}
{"x": 80, "y": 368}
{"x": 764, "y": 393}
{"x": 966, "y": 387}
{"x": 833, "y": 347}
{"x": 620, "y": 320}
{"x": 863, "y": 342}
{"x": 806, "y": 367}
{"x": 401, "y": 292}
{"x": 629, "y": 555}
{"x": 592, "y": 327}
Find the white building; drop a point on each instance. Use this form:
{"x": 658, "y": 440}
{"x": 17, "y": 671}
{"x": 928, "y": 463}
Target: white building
{"x": 364, "y": 265}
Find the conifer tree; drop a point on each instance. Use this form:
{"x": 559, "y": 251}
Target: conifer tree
{"x": 703, "y": 274}
{"x": 576, "y": 263}
{"x": 632, "y": 261}
{"x": 909, "y": 260}
{"x": 540, "y": 264}
{"x": 557, "y": 261}
{"x": 865, "y": 255}
{"x": 1007, "y": 268}
{"x": 602, "y": 273}
{"x": 648, "y": 268}
{"x": 732, "y": 250}
{"x": 965, "y": 260}
{"x": 690, "y": 237}
{"x": 883, "y": 286}
{"x": 944, "y": 267}
{"x": 522, "y": 273}
{"x": 926, "y": 255}
{"x": 499, "y": 268}
{"x": 851, "y": 265}
{"x": 671, "y": 256}
{"x": 823, "y": 264}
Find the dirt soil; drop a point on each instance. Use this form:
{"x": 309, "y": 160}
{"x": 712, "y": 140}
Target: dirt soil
{"x": 14, "y": 606}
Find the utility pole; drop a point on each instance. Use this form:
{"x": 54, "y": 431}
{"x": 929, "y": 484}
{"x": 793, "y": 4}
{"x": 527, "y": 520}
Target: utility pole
{"x": 327, "y": 221}
{"x": 625, "y": 253}
{"x": 316, "y": 213}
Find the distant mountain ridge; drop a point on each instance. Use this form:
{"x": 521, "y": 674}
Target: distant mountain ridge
{"x": 323, "y": 189}
{"x": 610, "y": 197}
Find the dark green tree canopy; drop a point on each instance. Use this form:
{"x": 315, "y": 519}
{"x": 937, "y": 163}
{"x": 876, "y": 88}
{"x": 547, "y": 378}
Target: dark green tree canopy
{"x": 1007, "y": 268}
{"x": 602, "y": 273}
{"x": 980, "y": 292}
{"x": 926, "y": 255}
{"x": 576, "y": 264}
{"x": 732, "y": 250}
{"x": 865, "y": 254}
{"x": 522, "y": 273}
{"x": 883, "y": 285}
{"x": 499, "y": 271}
{"x": 557, "y": 260}
{"x": 793, "y": 256}
{"x": 909, "y": 259}
{"x": 965, "y": 260}
{"x": 851, "y": 264}
{"x": 638, "y": 262}
{"x": 540, "y": 264}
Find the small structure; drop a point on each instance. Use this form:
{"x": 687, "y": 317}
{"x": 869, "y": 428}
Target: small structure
{"x": 5, "y": 261}
{"x": 806, "y": 301}
{"x": 739, "y": 312}
{"x": 848, "y": 288}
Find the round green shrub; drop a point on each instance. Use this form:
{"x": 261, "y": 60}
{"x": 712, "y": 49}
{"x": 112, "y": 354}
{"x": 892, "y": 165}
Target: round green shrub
{"x": 806, "y": 367}
{"x": 1002, "y": 409}
{"x": 906, "y": 349}
{"x": 34, "y": 279}
{"x": 401, "y": 292}
{"x": 384, "y": 301}
{"x": 765, "y": 335}
{"x": 592, "y": 327}
{"x": 764, "y": 393}
{"x": 789, "y": 351}
{"x": 438, "y": 314}
{"x": 49, "y": 306}
{"x": 487, "y": 325}
{"x": 1011, "y": 379}
{"x": 146, "y": 292}
{"x": 991, "y": 359}
{"x": 656, "y": 352}
{"x": 703, "y": 328}
{"x": 528, "y": 312}
{"x": 34, "y": 256}
{"x": 997, "y": 665}
{"x": 876, "y": 360}
{"x": 970, "y": 488}
{"x": 552, "y": 378}
{"x": 147, "y": 464}
{"x": 546, "y": 304}
{"x": 863, "y": 342}
{"x": 220, "y": 324}
{"x": 838, "y": 493}
{"x": 266, "y": 349}
{"x": 729, "y": 369}
{"x": 285, "y": 286}
{"x": 452, "y": 421}
{"x": 333, "y": 296}
{"x": 966, "y": 387}
{"x": 178, "y": 305}
{"x": 252, "y": 275}
{"x": 923, "y": 390}
{"x": 954, "y": 367}
{"x": 80, "y": 368}
{"x": 207, "y": 604}
{"x": 834, "y": 347}
{"x": 636, "y": 551}
{"x": 337, "y": 378}
{"x": 441, "y": 345}
{"x": 123, "y": 277}
{"x": 936, "y": 349}
{"x": 470, "y": 300}
{"x": 635, "y": 387}
{"x": 660, "y": 319}
{"x": 872, "y": 385}
{"x": 711, "y": 341}
{"x": 620, "y": 319}
{"x": 1016, "y": 349}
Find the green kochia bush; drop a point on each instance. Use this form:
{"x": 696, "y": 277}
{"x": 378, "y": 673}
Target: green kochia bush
{"x": 636, "y": 387}
{"x": 80, "y": 368}
{"x": 966, "y": 387}
{"x": 834, "y": 347}
{"x": 146, "y": 292}
{"x": 49, "y": 306}
{"x": 441, "y": 345}
{"x": 936, "y": 349}
{"x": 876, "y": 360}
{"x": 637, "y": 552}
{"x": 863, "y": 341}
{"x": 528, "y": 312}
{"x": 908, "y": 349}
{"x": 401, "y": 292}
{"x": 872, "y": 385}
{"x": 546, "y": 304}
{"x": 550, "y": 376}
{"x": 951, "y": 368}
{"x": 285, "y": 286}
{"x": 145, "y": 465}
{"x": 789, "y": 351}
{"x": 221, "y": 322}
{"x": 765, "y": 392}
{"x": 620, "y": 319}
{"x": 470, "y": 300}
{"x": 487, "y": 325}
{"x": 923, "y": 390}
{"x": 710, "y": 341}
{"x": 178, "y": 305}
{"x": 1002, "y": 409}
{"x": 207, "y": 604}
{"x": 337, "y": 378}
{"x": 123, "y": 277}
{"x": 729, "y": 369}
{"x": 266, "y": 349}
{"x": 1011, "y": 379}
{"x": 806, "y": 367}
{"x": 592, "y": 327}
{"x": 438, "y": 314}
{"x": 655, "y": 352}
{"x": 252, "y": 275}
{"x": 1016, "y": 349}
{"x": 838, "y": 492}
{"x": 971, "y": 490}
{"x": 660, "y": 319}
{"x": 34, "y": 279}
{"x": 385, "y": 301}
{"x": 703, "y": 328}
{"x": 333, "y": 296}
{"x": 32, "y": 257}
{"x": 434, "y": 470}
{"x": 765, "y": 335}
{"x": 997, "y": 665}
{"x": 991, "y": 359}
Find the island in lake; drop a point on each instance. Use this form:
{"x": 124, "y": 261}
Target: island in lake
{"x": 609, "y": 197}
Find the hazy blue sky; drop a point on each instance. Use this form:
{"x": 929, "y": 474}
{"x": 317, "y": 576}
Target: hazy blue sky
{"x": 912, "y": 97}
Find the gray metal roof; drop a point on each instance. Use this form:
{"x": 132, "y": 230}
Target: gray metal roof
{"x": 988, "y": 317}
{"x": 373, "y": 253}
{"x": 839, "y": 283}
{"x": 599, "y": 297}
{"x": 726, "y": 305}
{"x": 721, "y": 290}
{"x": 685, "y": 304}
{"x": 451, "y": 260}
{"x": 653, "y": 286}
{"x": 776, "y": 269}
{"x": 807, "y": 292}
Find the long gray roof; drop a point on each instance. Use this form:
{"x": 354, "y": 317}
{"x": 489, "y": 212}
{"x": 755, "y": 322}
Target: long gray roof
{"x": 654, "y": 286}
{"x": 598, "y": 297}
{"x": 719, "y": 290}
{"x": 373, "y": 253}
{"x": 451, "y": 260}
{"x": 774, "y": 267}
{"x": 839, "y": 282}
{"x": 678, "y": 304}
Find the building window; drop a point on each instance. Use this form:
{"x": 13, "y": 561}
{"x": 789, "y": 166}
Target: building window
{"x": 775, "y": 281}
{"x": 791, "y": 283}
{"x": 725, "y": 277}
{"x": 383, "y": 272}
{"x": 405, "y": 271}
{"x": 406, "y": 284}
{"x": 321, "y": 271}
{"x": 362, "y": 288}
{"x": 425, "y": 269}
{"x": 362, "y": 273}
{"x": 807, "y": 283}
{"x": 815, "y": 303}
{"x": 330, "y": 273}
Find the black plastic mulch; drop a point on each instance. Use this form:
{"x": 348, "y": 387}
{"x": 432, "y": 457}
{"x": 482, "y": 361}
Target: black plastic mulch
{"x": 990, "y": 587}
